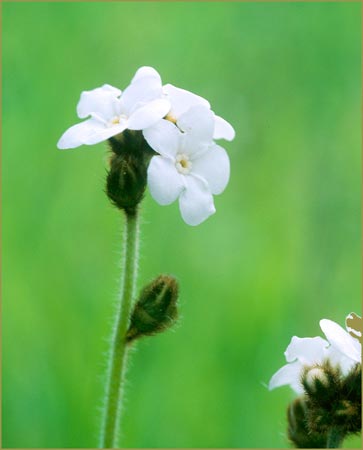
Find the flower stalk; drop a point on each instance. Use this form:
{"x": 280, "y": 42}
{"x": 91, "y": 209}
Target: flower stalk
{"x": 163, "y": 137}
{"x": 118, "y": 355}
{"x": 335, "y": 438}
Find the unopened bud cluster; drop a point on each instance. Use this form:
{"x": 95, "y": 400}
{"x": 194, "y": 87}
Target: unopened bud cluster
{"x": 156, "y": 309}
{"x": 332, "y": 401}
{"x": 127, "y": 176}
{"x": 298, "y": 431}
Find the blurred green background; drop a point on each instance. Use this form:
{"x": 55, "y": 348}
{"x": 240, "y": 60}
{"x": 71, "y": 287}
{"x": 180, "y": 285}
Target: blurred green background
{"x": 282, "y": 251}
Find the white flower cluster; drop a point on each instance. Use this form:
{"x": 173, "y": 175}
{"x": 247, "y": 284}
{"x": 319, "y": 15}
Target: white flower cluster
{"x": 340, "y": 349}
{"x": 179, "y": 125}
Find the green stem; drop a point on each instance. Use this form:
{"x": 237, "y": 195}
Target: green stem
{"x": 335, "y": 439}
{"x": 118, "y": 354}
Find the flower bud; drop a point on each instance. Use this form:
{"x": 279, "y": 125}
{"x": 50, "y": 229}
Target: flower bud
{"x": 126, "y": 182}
{"x": 321, "y": 382}
{"x": 298, "y": 432}
{"x": 333, "y": 399}
{"x": 314, "y": 377}
{"x": 156, "y": 309}
{"x": 127, "y": 177}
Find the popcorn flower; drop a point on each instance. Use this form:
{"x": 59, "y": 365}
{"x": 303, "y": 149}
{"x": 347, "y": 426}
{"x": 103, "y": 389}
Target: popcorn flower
{"x": 111, "y": 111}
{"x": 190, "y": 166}
{"x": 177, "y": 124}
{"x": 161, "y": 137}
{"x": 340, "y": 350}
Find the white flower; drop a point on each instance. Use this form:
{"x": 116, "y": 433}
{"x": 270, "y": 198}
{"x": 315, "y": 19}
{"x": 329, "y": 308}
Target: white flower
{"x": 341, "y": 349}
{"x": 190, "y": 165}
{"x": 111, "y": 112}
{"x": 181, "y": 100}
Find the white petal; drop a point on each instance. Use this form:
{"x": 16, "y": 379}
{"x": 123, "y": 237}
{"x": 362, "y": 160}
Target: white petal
{"x": 213, "y": 165}
{"x": 148, "y": 115}
{"x": 192, "y": 146}
{"x": 89, "y": 132}
{"x": 163, "y": 137}
{"x": 164, "y": 181}
{"x": 288, "y": 374}
{"x": 198, "y": 122}
{"x": 102, "y": 101}
{"x": 341, "y": 340}
{"x": 223, "y": 129}
{"x": 140, "y": 92}
{"x": 196, "y": 201}
{"x": 181, "y": 100}
{"x": 337, "y": 358}
{"x": 146, "y": 71}
{"x": 308, "y": 351}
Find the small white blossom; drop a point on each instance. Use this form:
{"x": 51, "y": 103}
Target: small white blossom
{"x": 111, "y": 111}
{"x": 190, "y": 166}
{"x": 181, "y": 100}
{"x": 340, "y": 348}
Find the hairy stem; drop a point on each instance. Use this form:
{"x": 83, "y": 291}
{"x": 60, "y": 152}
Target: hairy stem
{"x": 118, "y": 354}
{"x": 335, "y": 439}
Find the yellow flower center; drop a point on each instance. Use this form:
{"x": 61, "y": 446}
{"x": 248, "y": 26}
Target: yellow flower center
{"x": 170, "y": 117}
{"x": 183, "y": 164}
{"x": 117, "y": 119}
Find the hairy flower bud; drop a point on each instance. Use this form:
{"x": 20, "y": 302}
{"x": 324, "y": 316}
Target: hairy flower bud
{"x": 298, "y": 431}
{"x": 333, "y": 400}
{"x": 315, "y": 377}
{"x": 156, "y": 309}
{"x": 127, "y": 177}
